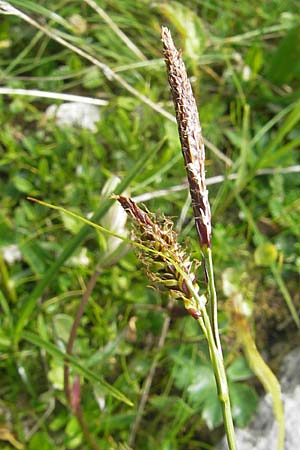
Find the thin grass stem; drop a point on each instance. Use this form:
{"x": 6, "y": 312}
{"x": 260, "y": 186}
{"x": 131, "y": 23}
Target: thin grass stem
{"x": 221, "y": 380}
{"x": 217, "y": 361}
{"x": 212, "y": 293}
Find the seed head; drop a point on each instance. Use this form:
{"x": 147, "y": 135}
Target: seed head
{"x": 165, "y": 255}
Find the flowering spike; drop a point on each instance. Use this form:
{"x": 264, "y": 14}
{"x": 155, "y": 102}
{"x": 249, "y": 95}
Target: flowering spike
{"x": 190, "y": 136}
{"x": 166, "y": 256}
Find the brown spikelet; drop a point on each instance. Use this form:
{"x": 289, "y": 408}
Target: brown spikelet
{"x": 162, "y": 238}
{"x": 190, "y": 136}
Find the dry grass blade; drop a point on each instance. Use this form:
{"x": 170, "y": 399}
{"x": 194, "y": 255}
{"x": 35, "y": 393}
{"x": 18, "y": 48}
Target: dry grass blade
{"x": 54, "y": 95}
{"x": 190, "y": 136}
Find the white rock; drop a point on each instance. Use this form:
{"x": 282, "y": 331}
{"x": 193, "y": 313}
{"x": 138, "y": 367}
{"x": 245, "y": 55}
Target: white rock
{"x": 75, "y": 114}
{"x": 11, "y": 253}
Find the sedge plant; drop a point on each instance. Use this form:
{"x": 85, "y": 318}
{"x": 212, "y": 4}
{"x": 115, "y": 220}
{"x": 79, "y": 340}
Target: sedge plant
{"x": 167, "y": 263}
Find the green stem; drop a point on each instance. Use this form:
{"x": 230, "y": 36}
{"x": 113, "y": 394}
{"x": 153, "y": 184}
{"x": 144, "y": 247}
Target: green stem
{"x": 221, "y": 380}
{"x": 212, "y": 295}
{"x": 209, "y": 325}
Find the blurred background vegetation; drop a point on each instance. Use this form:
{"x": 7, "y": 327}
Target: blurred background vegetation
{"x": 244, "y": 62}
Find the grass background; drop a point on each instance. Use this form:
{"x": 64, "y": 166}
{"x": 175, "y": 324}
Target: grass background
{"x": 243, "y": 60}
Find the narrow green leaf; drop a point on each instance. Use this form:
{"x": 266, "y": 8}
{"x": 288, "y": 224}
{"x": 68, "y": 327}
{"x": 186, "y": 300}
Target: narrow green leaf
{"x": 271, "y": 123}
{"x": 88, "y": 374}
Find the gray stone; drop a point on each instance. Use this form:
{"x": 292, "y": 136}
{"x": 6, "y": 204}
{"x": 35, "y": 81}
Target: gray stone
{"x": 262, "y": 432}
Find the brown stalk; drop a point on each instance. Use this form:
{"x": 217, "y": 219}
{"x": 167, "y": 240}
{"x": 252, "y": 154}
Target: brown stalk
{"x": 68, "y": 391}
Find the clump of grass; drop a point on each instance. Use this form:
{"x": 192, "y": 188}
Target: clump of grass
{"x": 41, "y": 168}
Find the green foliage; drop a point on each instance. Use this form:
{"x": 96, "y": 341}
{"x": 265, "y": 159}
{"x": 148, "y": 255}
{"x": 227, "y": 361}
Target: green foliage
{"x": 197, "y": 378}
{"x": 288, "y": 50}
{"x": 244, "y": 63}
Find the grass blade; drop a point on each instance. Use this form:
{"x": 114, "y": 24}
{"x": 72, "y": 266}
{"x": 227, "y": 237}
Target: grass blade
{"x": 88, "y": 374}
